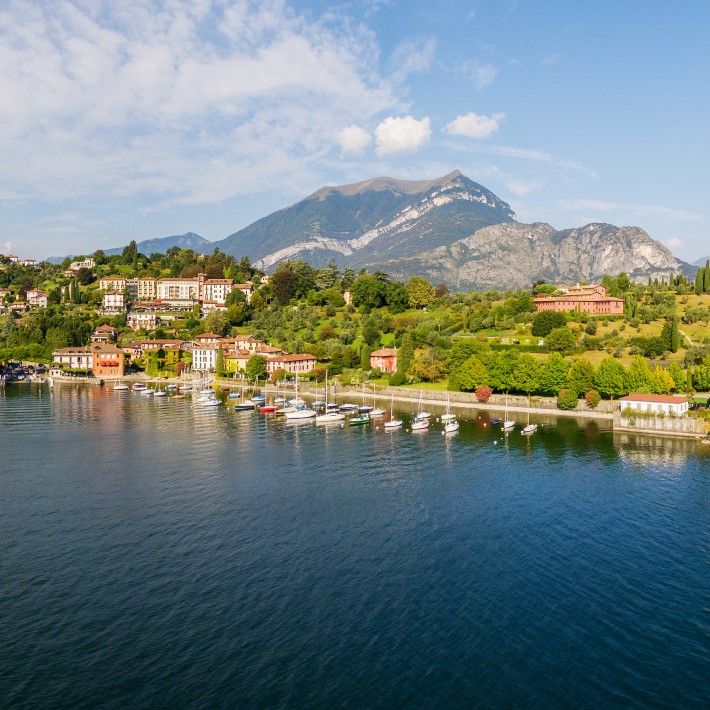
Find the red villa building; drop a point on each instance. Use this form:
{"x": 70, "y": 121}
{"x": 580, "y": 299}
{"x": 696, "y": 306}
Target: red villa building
{"x": 384, "y": 360}
{"x": 585, "y": 299}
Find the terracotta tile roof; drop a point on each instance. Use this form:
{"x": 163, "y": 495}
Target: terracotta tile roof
{"x": 292, "y": 358}
{"x": 384, "y": 352}
{"x": 660, "y": 398}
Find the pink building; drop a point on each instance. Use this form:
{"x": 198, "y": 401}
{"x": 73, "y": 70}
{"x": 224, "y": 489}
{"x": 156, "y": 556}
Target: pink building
{"x": 296, "y": 364}
{"x": 384, "y": 360}
{"x": 585, "y": 299}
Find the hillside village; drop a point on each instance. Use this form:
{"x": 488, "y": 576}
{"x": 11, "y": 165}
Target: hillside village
{"x": 183, "y": 312}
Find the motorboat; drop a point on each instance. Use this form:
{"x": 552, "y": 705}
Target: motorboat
{"x": 451, "y": 427}
{"x": 268, "y": 409}
{"x": 211, "y": 402}
{"x": 244, "y": 406}
{"x": 360, "y": 418}
{"x": 139, "y": 387}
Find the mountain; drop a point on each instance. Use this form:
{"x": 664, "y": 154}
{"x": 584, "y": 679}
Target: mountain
{"x": 702, "y": 262}
{"x": 376, "y": 220}
{"x": 160, "y": 245}
{"x": 514, "y": 255}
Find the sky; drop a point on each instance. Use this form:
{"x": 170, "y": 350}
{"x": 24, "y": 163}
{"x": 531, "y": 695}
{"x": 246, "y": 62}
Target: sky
{"x": 139, "y": 119}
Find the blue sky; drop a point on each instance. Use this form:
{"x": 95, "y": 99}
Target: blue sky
{"x": 135, "y": 120}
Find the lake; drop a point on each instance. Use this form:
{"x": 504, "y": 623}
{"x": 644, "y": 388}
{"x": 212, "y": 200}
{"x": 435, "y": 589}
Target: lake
{"x": 160, "y": 554}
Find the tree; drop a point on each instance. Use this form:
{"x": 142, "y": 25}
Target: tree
{"x": 559, "y": 339}
{"x": 256, "y": 367}
{"x": 639, "y": 375}
{"x": 235, "y": 296}
{"x": 420, "y": 292}
{"x": 327, "y": 277}
{"x": 284, "y": 283}
{"x": 405, "y": 356}
{"x": 396, "y": 297}
{"x": 441, "y": 290}
{"x": 554, "y": 375}
{"x": 611, "y": 379}
{"x": 219, "y": 365}
{"x": 581, "y": 376}
{"x": 371, "y": 333}
{"x": 679, "y": 377}
{"x": 365, "y": 357}
{"x": 544, "y": 322}
{"x": 130, "y": 252}
{"x": 526, "y": 376}
{"x": 368, "y": 292}
{"x": 663, "y": 383}
{"x": 471, "y": 375}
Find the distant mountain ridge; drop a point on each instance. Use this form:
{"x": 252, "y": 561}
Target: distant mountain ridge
{"x": 702, "y": 262}
{"x": 356, "y": 225}
{"x": 159, "y": 245}
{"x": 450, "y": 229}
{"x": 514, "y": 255}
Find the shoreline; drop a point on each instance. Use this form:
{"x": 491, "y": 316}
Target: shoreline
{"x": 400, "y": 398}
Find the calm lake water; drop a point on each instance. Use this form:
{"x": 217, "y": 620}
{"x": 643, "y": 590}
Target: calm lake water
{"x": 159, "y": 554}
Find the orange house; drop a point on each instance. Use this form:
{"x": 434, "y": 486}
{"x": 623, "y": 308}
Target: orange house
{"x": 384, "y": 360}
{"x": 108, "y": 360}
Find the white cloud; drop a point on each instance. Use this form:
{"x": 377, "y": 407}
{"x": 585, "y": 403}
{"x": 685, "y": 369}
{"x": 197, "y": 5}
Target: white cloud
{"x": 9, "y": 247}
{"x": 482, "y": 75}
{"x": 401, "y": 134}
{"x": 353, "y": 140}
{"x": 674, "y": 242}
{"x": 473, "y": 125}
{"x": 413, "y": 57}
{"x": 643, "y": 210}
{"x": 520, "y": 188}
{"x": 186, "y": 101}
{"x": 538, "y": 156}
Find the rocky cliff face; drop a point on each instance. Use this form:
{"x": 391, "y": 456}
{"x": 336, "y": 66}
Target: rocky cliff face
{"x": 515, "y": 255}
{"x": 379, "y": 219}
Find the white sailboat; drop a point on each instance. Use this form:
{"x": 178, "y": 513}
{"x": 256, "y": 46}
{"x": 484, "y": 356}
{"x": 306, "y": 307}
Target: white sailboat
{"x": 375, "y": 411}
{"x": 508, "y": 424}
{"x": 301, "y": 411}
{"x": 392, "y": 423}
{"x": 529, "y": 428}
{"x": 120, "y": 387}
{"x": 422, "y": 413}
{"x": 451, "y": 426}
{"x": 328, "y": 416}
{"x": 448, "y": 416}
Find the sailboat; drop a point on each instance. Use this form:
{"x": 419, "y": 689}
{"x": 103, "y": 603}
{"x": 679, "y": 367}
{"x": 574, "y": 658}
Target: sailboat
{"x": 328, "y": 416}
{"x": 508, "y": 424}
{"x": 451, "y": 426}
{"x": 364, "y": 408}
{"x": 422, "y": 413}
{"x": 301, "y": 411}
{"x": 245, "y": 404}
{"x": 448, "y": 416}
{"x": 375, "y": 412}
{"x": 120, "y": 387}
{"x": 392, "y": 423}
{"x": 529, "y": 428}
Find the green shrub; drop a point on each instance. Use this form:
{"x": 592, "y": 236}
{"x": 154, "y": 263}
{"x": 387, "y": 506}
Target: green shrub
{"x": 567, "y": 399}
{"x": 398, "y": 379}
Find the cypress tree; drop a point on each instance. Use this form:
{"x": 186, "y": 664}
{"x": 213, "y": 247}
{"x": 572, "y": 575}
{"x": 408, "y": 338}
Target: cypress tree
{"x": 706, "y": 278}
{"x": 700, "y": 280}
{"x": 405, "y": 356}
{"x": 675, "y": 336}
